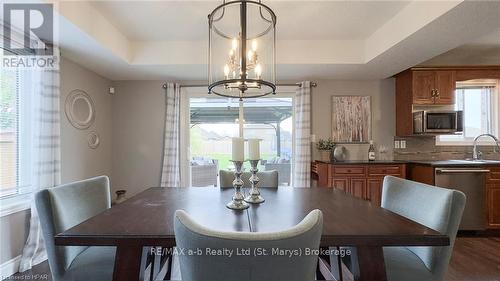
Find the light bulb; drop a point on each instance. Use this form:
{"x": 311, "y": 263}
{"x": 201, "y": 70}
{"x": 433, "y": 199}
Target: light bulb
{"x": 235, "y": 44}
{"x": 226, "y": 71}
{"x": 254, "y": 45}
{"x": 258, "y": 70}
{"x": 250, "y": 55}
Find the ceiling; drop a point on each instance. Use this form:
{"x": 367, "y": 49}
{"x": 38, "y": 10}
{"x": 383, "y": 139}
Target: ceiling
{"x": 484, "y": 50}
{"x": 328, "y": 39}
{"x": 310, "y": 20}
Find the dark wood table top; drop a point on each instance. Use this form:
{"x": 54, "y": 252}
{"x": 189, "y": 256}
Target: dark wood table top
{"x": 147, "y": 218}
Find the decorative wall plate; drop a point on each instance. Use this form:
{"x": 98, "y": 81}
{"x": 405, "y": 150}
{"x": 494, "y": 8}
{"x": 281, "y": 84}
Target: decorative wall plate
{"x": 79, "y": 109}
{"x": 93, "y": 140}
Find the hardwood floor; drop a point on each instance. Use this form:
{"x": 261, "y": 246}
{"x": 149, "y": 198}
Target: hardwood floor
{"x": 474, "y": 259}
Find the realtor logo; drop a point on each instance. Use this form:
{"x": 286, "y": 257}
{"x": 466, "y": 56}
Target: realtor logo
{"x": 34, "y": 23}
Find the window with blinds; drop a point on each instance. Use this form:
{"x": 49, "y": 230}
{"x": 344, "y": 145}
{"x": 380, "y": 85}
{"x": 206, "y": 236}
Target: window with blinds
{"x": 479, "y": 101}
{"x": 13, "y": 133}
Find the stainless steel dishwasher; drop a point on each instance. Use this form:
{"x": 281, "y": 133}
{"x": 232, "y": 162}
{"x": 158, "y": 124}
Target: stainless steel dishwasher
{"x": 472, "y": 182}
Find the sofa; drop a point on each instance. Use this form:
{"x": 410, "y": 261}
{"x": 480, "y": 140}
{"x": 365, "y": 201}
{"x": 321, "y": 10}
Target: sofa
{"x": 280, "y": 164}
{"x": 204, "y": 171}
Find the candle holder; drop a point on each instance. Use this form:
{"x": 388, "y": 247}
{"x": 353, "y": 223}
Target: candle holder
{"x": 254, "y": 193}
{"x": 238, "y": 202}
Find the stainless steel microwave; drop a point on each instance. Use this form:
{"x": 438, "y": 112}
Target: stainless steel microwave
{"x": 438, "y": 122}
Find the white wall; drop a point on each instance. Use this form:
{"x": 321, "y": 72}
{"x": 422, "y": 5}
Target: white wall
{"x": 382, "y": 94}
{"x": 78, "y": 161}
{"x": 13, "y": 235}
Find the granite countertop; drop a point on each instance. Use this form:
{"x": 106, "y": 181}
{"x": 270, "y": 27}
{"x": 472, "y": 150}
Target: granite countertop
{"x": 434, "y": 163}
{"x": 347, "y": 162}
{"x": 457, "y": 163}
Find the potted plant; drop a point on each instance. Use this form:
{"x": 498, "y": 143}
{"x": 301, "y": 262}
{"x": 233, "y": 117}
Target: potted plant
{"x": 325, "y": 148}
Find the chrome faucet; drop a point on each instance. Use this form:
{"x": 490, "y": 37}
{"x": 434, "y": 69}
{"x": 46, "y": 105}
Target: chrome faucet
{"x": 476, "y": 154}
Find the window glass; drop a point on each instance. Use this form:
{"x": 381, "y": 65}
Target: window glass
{"x": 214, "y": 121}
{"x": 476, "y": 104}
{"x": 479, "y": 104}
{"x": 9, "y": 125}
{"x": 15, "y": 130}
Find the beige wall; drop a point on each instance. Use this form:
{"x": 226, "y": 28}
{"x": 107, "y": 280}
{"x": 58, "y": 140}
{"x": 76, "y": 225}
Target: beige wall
{"x": 78, "y": 161}
{"x": 383, "y": 111}
{"x": 138, "y": 121}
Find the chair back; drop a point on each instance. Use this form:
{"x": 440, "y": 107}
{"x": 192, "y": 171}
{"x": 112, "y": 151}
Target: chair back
{"x": 437, "y": 208}
{"x": 266, "y": 179}
{"x": 65, "y": 206}
{"x": 237, "y": 255}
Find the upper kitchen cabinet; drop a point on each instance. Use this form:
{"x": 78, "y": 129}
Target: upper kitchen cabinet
{"x": 421, "y": 87}
{"x": 432, "y": 87}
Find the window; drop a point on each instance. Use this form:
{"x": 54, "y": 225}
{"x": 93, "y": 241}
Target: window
{"x": 14, "y": 133}
{"x": 212, "y": 121}
{"x": 479, "y": 101}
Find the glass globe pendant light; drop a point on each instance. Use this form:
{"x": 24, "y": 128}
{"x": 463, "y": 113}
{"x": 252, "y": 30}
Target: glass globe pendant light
{"x": 242, "y": 50}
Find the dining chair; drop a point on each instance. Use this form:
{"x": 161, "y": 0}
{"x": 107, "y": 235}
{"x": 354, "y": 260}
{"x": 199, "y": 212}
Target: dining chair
{"x": 266, "y": 179}
{"x": 239, "y": 255}
{"x": 63, "y": 207}
{"x": 437, "y": 208}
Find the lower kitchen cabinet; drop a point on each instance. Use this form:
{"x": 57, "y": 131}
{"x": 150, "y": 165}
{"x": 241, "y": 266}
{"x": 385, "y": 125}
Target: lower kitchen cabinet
{"x": 362, "y": 181}
{"x": 493, "y": 189}
{"x": 494, "y": 206}
{"x": 375, "y": 190}
{"x": 358, "y": 188}
{"x": 341, "y": 183}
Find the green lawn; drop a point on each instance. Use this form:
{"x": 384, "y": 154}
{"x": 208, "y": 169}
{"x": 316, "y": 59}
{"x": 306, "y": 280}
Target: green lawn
{"x": 225, "y": 163}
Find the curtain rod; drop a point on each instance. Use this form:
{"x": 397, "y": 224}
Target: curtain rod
{"x": 313, "y": 84}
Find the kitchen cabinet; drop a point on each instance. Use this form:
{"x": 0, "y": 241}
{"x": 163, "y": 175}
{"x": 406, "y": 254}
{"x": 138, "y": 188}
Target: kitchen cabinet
{"x": 493, "y": 191}
{"x": 433, "y": 87}
{"x": 357, "y": 188}
{"x": 445, "y": 87}
{"x": 375, "y": 191}
{"x": 421, "y": 87}
{"x": 361, "y": 180}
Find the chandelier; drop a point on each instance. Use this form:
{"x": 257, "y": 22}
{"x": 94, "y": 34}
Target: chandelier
{"x": 242, "y": 39}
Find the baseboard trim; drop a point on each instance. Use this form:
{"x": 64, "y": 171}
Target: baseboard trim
{"x": 9, "y": 267}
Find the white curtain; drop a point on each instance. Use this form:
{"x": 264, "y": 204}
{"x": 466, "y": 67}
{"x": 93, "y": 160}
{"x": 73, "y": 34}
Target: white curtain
{"x": 170, "y": 173}
{"x": 42, "y": 87}
{"x": 302, "y": 152}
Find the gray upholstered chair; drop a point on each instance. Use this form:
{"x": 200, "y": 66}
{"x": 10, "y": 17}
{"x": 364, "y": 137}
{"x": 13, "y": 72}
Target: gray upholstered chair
{"x": 437, "y": 208}
{"x": 266, "y": 179}
{"x": 189, "y": 235}
{"x": 63, "y": 207}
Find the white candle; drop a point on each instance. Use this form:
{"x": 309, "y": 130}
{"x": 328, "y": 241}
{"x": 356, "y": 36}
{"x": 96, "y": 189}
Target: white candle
{"x": 238, "y": 146}
{"x": 254, "y": 149}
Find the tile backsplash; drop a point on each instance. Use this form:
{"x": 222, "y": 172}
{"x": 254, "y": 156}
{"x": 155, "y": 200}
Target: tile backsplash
{"x": 425, "y": 148}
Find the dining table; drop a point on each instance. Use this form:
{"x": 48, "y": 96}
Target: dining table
{"x": 147, "y": 220}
